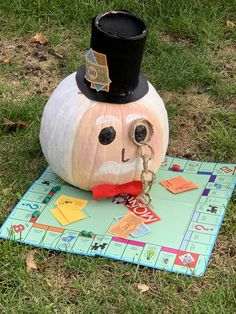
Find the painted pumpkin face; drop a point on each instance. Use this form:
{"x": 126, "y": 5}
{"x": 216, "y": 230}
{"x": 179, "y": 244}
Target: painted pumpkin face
{"x": 87, "y": 143}
{"x": 108, "y": 154}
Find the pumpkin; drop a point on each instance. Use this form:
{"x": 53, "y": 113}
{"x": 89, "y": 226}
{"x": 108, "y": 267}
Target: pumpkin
{"x": 75, "y": 143}
{"x": 88, "y": 142}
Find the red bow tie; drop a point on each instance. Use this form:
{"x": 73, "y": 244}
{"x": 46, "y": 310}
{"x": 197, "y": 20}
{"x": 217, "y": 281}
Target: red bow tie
{"x": 133, "y": 188}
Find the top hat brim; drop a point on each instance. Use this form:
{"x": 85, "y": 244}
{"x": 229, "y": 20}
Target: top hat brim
{"x": 102, "y": 96}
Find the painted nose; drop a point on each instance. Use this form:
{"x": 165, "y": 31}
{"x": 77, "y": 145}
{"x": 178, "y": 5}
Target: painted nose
{"x": 123, "y": 156}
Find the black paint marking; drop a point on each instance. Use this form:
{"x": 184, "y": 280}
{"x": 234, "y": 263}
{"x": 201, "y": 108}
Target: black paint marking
{"x": 97, "y": 246}
{"x": 123, "y": 155}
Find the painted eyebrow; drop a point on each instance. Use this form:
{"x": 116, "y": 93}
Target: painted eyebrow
{"x": 134, "y": 116}
{"x": 107, "y": 119}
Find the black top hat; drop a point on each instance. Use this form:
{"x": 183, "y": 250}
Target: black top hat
{"x": 112, "y": 65}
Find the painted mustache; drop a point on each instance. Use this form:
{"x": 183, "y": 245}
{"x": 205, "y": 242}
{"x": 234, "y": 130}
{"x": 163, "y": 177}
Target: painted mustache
{"x": 116, "y": 168}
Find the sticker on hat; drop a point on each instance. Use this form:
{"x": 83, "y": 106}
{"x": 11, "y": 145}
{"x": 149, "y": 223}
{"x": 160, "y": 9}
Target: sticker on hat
{"x": 97, "y": 72}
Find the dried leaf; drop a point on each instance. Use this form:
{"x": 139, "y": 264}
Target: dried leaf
{"x": 39, "y": 38}
{"x": 127, "y": 273}
{"x": 11, "y": 46}
{"x": 6, "y": 60}
{"x": 57, "y": 54}
{"x": 48, "y": 282}
{"x": 230, "y": 24}
{"x": 7, "y": 190}
{"x": 30, "y": 262}
{"x": 14, "y": 124}
{"x": 142, "y": 287}
{"x": 107, "y": 272}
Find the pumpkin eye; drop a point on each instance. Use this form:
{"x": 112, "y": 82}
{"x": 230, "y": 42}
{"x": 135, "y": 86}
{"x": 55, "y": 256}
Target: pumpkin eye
{"x": 107, "y": 135}
{"x": 140, "y": 133}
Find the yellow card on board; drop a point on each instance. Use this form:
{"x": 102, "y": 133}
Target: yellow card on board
{"x": 70, "y": 207}
{"x": 71, "y": 214}
{"x": 66, "y": 216}
{"x": 59, "y": 216}
{"x": 76, "y": 203}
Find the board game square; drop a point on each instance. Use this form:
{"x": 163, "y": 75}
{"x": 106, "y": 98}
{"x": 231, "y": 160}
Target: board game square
{"x": 187, "y": 259}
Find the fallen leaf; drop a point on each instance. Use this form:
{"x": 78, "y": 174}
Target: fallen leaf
{"x": 107, "y": 272}
{"x": 39, "y": 38}
{"x": 6, "y": 60}
{"x": 14, "y": 124}
{"x": 7, "y": 190}
{"x": 142, "y": 287}
{"x": 11, "y": 46}
{"x": 48, "y": 282}
{"x": 30, "y": 262}
{"x": 127, "y": 273}
{"x": 56, "y": 54}
{"x": 230, "y": 24}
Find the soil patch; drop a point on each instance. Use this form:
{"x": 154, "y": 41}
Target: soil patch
{"x": 37, "y": 67}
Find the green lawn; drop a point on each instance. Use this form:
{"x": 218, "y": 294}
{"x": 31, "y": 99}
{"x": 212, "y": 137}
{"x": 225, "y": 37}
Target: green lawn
{"x": 190, "y": 58}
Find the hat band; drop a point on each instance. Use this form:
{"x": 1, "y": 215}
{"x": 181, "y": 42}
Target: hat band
{"x": 96, "y": 71}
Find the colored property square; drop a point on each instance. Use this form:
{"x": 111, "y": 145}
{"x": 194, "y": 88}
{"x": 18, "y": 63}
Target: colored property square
{"x": 188, "y": 235}
{"x": 187, "y": 259}
{"x": 183, "y": 245}
{"x": 195, "y": 216}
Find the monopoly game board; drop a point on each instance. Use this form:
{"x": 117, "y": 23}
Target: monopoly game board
{"x": 181, "y": 241}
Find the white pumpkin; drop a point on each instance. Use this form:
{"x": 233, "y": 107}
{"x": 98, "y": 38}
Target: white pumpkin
{"x": 87, "y": 142}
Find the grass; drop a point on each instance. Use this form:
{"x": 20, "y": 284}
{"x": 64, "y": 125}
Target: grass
{"x": 190, "y": 59}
